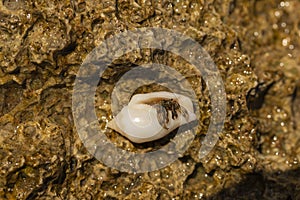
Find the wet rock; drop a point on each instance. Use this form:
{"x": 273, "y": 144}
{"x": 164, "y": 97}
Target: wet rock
{"x": 254, "y": 44}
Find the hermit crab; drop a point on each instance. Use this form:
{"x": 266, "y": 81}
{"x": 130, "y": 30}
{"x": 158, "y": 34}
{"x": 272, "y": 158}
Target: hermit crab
{"x": 151, "y": 116}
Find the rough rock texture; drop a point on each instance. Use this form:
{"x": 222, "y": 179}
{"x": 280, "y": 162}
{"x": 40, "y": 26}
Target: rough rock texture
{"x": 255, "y": 45}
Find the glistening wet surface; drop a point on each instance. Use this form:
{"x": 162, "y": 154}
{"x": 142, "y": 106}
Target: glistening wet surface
{"x": 254, "y": 44}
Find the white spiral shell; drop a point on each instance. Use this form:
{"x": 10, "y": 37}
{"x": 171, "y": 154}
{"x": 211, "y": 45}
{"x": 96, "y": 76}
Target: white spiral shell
{"x": 151, "y": 116}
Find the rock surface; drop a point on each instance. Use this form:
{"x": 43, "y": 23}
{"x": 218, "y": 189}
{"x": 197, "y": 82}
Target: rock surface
{"x": 255, "y": 45}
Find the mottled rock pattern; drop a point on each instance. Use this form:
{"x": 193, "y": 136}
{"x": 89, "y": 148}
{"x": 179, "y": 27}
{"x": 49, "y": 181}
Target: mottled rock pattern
{"x": 255, "y": 45}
